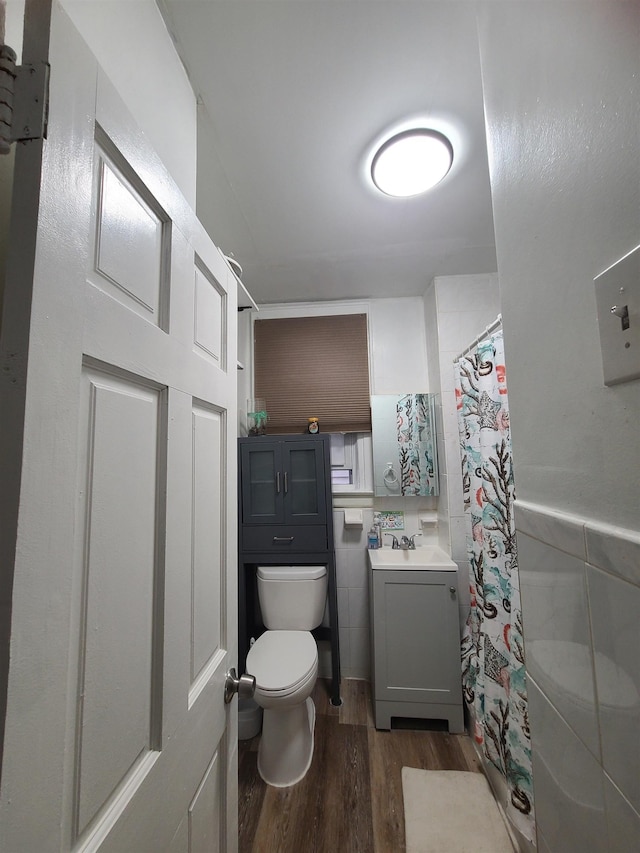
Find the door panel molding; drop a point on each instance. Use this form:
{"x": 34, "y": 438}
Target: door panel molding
{"x": 135, "y": 271}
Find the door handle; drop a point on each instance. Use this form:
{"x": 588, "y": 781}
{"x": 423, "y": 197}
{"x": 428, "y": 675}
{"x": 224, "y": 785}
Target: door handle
{"x": 286, "y": 482}
{"x": 278, "y": 482}
{"x": 288, "y": 539}
{"x": 245, "y": 686}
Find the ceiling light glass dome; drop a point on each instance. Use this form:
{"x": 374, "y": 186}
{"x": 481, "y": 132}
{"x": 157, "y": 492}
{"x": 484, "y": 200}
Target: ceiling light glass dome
{"x": 411, "y": 162}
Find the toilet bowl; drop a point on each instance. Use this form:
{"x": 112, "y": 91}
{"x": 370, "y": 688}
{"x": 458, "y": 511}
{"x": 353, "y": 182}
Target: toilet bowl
{"x": 284, "y": 662}
{"x": 285, "y": 666}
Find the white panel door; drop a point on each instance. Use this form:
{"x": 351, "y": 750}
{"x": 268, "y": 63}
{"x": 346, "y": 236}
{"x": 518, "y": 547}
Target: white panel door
{"x": 118, "y": 396}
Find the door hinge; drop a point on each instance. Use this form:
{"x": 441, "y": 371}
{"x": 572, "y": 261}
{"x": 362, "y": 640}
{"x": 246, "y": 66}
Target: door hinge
{"x": 24, "y": 100}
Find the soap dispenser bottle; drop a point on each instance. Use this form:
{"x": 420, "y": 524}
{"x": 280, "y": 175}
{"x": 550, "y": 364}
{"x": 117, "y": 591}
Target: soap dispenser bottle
{"x": 372, "y": 541}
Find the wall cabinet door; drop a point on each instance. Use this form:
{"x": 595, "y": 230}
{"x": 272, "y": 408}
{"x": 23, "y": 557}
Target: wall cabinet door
{"x": 262, "y": 486}
{"x": 283, "y": 482}
{"x": 303, "y": 483}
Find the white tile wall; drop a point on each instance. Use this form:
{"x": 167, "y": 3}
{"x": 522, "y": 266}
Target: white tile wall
{"x": 543, "y": 847}
{"x": 454, "y": 490}
{"x": 353, "y": 595}
{"x": 614, "y": 549}
{"x": 616, "y": 642}
{"x": 585, "y": 698}
{"x": 568, "y": 785}
{"x": 623, "y": 821}
{"x": 459, "y": 524}
{"x": 359, "y": 650}
{"x": 558, "y": 649}
{"x": 450, "y": 417}
{"x": 558, "y": 530}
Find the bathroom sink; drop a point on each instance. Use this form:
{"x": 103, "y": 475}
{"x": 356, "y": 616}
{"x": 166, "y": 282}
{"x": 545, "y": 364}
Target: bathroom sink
{"x": 427, "y": 558}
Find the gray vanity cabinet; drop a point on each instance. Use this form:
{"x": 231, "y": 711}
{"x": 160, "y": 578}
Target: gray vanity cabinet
{"x": 415, "y": 642}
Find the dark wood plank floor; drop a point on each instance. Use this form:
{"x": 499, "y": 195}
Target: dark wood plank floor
{"x": 350, "y": 801}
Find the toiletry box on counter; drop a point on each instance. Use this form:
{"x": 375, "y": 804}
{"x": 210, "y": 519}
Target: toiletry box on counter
{"x": 415, "y": 636}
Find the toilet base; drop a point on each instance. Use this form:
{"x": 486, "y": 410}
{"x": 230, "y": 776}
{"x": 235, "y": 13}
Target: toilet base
{"x": 286, "y": 746}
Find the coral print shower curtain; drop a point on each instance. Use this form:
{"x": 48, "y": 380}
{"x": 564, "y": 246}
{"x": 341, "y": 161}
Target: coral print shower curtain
{"x": 492, "y": 646}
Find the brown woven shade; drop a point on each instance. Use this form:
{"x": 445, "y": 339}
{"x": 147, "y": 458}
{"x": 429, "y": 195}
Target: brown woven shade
{"x": 314, "y": 367}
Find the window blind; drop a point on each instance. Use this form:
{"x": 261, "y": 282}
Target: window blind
{"x": 313, "y": 367}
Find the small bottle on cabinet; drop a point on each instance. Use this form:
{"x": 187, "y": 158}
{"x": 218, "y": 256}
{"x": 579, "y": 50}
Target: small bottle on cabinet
{"x": 313, "y": 426}
{"x": 372, "y": 539}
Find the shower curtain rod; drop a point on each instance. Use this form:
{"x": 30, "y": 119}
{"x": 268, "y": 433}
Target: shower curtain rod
{"x": 490, "y": 328}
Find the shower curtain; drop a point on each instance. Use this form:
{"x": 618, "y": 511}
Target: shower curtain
{"x": 492, "y": 646}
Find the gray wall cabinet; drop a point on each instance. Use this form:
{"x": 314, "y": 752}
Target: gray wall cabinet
{"x": 415, "y": 646}
{"x": 283, "y": 482}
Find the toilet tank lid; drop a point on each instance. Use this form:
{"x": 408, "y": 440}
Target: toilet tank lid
{"x": 291, "y": 573}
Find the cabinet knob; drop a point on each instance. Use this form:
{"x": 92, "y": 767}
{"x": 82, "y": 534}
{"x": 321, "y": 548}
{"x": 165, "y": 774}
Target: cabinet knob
{"x": 452, "y": 590}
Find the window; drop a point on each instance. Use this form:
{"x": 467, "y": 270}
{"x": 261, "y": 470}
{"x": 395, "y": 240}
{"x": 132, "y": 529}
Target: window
{"x": 313, "y": 367}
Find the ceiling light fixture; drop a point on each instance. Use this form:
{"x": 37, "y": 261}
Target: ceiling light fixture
{"x": 411, "y": 162}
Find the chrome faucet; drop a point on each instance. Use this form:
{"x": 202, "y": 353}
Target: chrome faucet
{"x": 408, "y": 543}
{"x": 394, "y": 542}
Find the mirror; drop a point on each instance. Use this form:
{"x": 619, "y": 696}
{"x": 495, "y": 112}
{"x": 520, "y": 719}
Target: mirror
{"x": 405, "y": 460}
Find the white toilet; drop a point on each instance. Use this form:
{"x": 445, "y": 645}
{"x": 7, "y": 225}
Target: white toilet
{"x": 284, "y": 661}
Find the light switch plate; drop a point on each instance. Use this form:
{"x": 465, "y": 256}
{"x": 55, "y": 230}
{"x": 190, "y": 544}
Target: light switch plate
{"x": 618, "y": 287}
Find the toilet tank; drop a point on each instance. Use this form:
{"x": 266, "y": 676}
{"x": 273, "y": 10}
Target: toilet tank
{"x": 292, "y": 598}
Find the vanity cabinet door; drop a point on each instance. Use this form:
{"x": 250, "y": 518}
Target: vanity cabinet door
{"x": 416, "y": 646}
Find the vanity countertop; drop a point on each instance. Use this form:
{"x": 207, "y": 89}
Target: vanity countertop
{"x": 429, "y": 558}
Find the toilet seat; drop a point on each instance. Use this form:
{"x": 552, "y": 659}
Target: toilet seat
{"x": 282, "y": 661}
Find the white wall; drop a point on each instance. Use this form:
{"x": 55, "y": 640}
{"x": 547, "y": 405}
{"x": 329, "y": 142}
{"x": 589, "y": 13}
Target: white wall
{"x": 562, "y": 102}
{"x": 398, "y": 353}
{"x": 131, "y": 42}
{"x": 563, "y": 135}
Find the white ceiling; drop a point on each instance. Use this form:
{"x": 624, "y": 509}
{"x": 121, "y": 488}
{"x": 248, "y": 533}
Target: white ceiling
{"x": 293, "y": 95}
